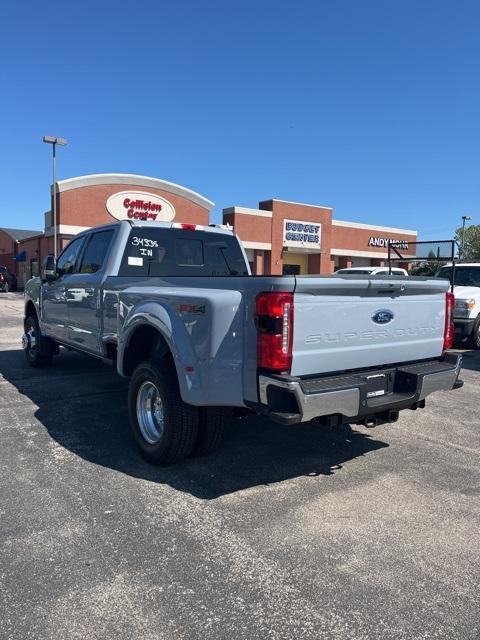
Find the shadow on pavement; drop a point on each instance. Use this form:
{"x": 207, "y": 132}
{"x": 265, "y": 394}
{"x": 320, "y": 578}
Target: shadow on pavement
{"x": 471, "y": 360}
{"x": 82, "y": 404}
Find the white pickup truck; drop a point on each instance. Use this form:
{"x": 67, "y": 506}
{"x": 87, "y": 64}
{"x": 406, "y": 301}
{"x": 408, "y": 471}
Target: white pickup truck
{"x": 466, "y": 315}
{"x": 175, "y": 307}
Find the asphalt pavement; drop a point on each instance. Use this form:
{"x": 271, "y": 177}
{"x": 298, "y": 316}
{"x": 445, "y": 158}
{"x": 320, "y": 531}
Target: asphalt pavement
{"x": 287, "y": 533}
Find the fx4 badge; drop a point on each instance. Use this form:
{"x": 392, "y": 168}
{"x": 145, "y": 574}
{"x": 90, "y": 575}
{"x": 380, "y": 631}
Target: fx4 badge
{"x": 191, "y": 308}
{"x": 382, "y": 316}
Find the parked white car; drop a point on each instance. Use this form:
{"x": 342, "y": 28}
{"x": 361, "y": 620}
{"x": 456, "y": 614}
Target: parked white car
{"x": 372, "y": 271}
{"x": 466, "y": 315}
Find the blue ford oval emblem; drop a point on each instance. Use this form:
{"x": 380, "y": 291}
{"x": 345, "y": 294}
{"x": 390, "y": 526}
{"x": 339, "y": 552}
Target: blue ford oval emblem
{"x": 382, "y": 316}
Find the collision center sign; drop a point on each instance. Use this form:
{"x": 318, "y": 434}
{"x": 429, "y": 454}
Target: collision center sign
{"x": 139, "y": 205}
{"x": 300, "y": 234}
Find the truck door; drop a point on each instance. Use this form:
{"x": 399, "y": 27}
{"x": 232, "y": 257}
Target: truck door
{"x": 84, "y": 309}
{"x": 54, "y": 301}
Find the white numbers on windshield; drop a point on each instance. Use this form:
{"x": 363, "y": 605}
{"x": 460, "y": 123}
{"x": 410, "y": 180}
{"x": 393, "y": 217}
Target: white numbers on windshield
{"x": 144, "y": 242}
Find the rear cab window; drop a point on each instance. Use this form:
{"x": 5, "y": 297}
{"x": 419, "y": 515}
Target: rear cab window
{"x": 161, "y": 252}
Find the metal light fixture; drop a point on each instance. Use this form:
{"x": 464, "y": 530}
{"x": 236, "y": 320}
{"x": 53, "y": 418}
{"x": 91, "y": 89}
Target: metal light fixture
{"x": 464, "y": 218}
{"x": 62, "y": 142}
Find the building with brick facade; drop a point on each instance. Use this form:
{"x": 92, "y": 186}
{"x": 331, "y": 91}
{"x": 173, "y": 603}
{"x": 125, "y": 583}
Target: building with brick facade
{"x": 282, "y": 237}
{"x": 279, "y": 237}
{"x": 10, "y": 242}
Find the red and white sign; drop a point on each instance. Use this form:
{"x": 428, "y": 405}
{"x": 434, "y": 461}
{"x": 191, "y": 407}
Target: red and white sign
{"x": 139, "y": 205}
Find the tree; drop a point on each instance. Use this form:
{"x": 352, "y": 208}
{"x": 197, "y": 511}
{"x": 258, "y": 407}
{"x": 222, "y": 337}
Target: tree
{"x": 427, "y": 267}
{"x": 471, "y": 242}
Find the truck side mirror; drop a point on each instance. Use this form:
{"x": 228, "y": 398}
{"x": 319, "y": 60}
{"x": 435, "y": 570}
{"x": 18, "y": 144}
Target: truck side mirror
{"x": 49, "y": 269}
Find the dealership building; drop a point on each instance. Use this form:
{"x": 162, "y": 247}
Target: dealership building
{"x": 279, "y": 237}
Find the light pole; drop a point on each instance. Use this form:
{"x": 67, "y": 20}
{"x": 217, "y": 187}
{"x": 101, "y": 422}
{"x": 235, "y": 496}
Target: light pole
{"x": 464, "y": 218}
{"x": 62, "y": 142}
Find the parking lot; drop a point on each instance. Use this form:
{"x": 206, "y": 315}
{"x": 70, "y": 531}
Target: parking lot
{"x": 287, "y": 533}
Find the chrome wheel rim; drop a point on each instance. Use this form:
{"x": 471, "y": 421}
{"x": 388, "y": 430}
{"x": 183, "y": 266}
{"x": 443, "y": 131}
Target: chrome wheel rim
{"x": 150, "y": 413}
{"x": 30, "y": 340}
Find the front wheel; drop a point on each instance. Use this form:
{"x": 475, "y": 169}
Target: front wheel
{"x": 32, "y": 343}
{"x": 164, "y": 427}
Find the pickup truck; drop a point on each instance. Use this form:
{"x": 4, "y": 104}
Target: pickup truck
{"x": 466, "y": 315}
{"x": 175, "y": 307}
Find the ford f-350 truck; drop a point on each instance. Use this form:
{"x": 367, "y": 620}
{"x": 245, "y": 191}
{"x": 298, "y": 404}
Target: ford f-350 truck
{"x": 175, "y": 306}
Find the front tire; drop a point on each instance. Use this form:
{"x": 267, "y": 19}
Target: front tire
{"x": 34, "y": 344}
{"x": 164, "y": 427}
{"x": 475, "y": 337}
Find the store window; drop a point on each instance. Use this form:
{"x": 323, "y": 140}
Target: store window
{"x": 34, "y": 267}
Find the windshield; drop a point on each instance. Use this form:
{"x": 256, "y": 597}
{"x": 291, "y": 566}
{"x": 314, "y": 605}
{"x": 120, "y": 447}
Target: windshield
{"x": 464, "y": 276}
{"x": 355, "y": 271}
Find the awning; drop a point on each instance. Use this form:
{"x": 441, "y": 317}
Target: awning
{"x": 21, "y": 257}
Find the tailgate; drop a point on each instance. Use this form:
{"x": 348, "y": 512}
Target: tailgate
{"x": 340, "y": 322}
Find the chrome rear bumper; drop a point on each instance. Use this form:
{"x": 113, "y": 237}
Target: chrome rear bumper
{"x": 293, "y": 400}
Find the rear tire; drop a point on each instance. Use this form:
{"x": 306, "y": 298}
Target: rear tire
{"x": 211, "y": 429}
{"x": 37, "y": 345}
{"x": 164, "y": 427}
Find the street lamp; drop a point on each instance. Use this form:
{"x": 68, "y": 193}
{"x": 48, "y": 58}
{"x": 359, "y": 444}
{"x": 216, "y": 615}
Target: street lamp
{"x": 464, "y": 218}
{"x": 62, "y": 142}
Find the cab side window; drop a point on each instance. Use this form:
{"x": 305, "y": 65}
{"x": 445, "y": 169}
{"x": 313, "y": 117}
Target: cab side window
{"x": 67, "y": 260}
{"x": 96, "y": 251}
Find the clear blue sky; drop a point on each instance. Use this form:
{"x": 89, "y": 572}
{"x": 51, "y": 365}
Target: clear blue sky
{"x": 370, "y": 107}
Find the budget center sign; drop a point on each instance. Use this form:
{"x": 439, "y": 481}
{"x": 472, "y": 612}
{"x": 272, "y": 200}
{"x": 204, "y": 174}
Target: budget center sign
{"x": 301, "y": 234}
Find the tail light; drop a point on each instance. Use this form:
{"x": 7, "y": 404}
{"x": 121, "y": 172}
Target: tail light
{"x": 2, "y": 277}
{"x": 449, "y": 327}
{"x": 274, "y": 320}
